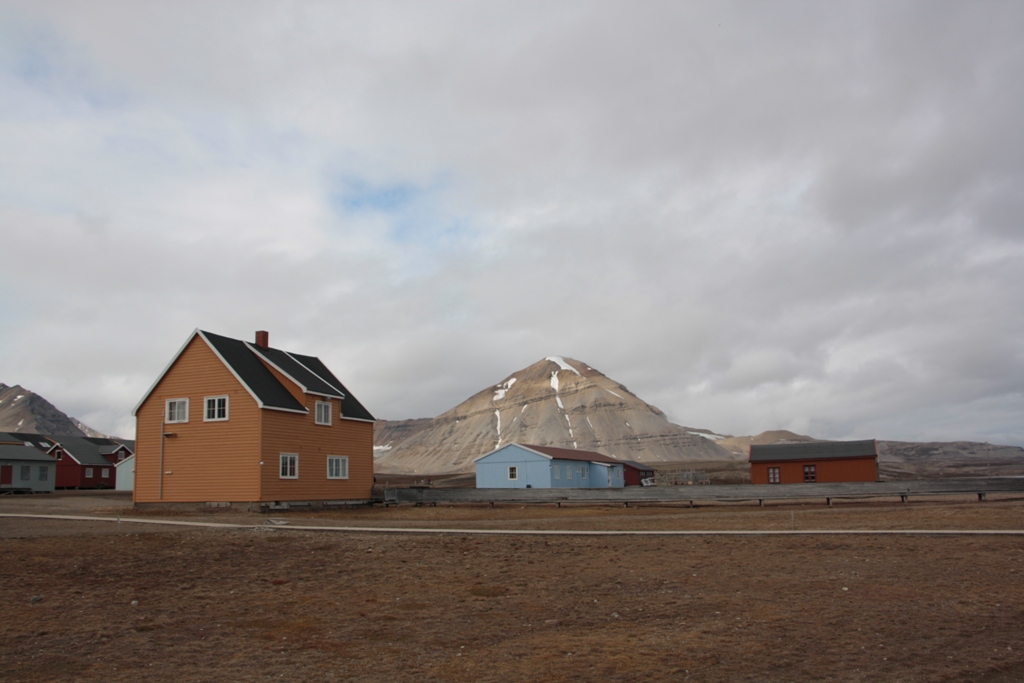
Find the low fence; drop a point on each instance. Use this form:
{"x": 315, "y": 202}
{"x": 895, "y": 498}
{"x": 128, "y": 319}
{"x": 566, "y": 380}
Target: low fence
{"x": 695, "y": 495}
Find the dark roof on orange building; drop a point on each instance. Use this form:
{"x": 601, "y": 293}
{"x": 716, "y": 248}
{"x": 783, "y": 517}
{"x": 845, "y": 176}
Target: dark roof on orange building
{"x": 308, "y": 372}
{"x": 813, "y": 450}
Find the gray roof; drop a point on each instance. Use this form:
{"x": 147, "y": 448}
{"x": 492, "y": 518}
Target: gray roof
{"x": 248, "y": 363}
{"x": 23, "y": 453}
{"x": 306, "y": 371}
{"x": 89, "y": 450}
{"x": 38, "y": 440}
{"x": 813, "y": 450}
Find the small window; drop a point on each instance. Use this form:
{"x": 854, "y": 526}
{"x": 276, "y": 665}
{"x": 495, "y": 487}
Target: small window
{"x": 513, "y": 473}
{"x": 289, "y": 466}
{"x": 44, "y": 473}
{"x": 216, "y": 409}
{"x": 88, "y": 473}
{"x": 26, "y": 472}
{"x": 568, "y": 471}
{"x": 105, "y": 473}
{"x": 177, "y": 410}
{"x": 323, "y": 412}
{"x": 773, "y": 475}
{"x": 810, "y": 473}
{"x": 558, "y": 471}
{"x": 337, "y": 467}
{"x": 120, "y": 456}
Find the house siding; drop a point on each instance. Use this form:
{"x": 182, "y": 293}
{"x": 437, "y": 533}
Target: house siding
{"x": 826, "y": 470}
{"x": 207, "y": 461}
{"x": 537, "y": 471}
{"x": 299, "y": 434}
{"x": 10, "y": 475}
{"x": 534, "y": 471}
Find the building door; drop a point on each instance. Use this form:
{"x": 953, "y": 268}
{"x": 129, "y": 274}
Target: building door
{"x": 6, "y": 475}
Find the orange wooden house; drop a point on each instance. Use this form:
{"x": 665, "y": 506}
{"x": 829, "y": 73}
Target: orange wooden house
{"x": 232, "y": 422}
{"x": 813, "y": 461}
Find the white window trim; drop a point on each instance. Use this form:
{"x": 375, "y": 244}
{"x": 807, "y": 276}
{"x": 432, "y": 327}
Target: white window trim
{"x": 105, "y": 473}
{"x": 167, "y": 410}
{"x": 206, "y": 408}
{"x": 513, "y": 473}
{"x": 280, "y": 466}
{"x": 339, "y": 459}
{"x": 330, "y": 413}
{"x": 88, "y": 473}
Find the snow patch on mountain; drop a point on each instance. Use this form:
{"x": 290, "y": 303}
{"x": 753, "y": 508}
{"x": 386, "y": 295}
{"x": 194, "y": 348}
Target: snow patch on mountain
{"x": 502, "y": 389}
{"x": 560, "y": 362}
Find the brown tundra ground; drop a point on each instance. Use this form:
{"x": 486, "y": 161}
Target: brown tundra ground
{"x": 100, "y": 601}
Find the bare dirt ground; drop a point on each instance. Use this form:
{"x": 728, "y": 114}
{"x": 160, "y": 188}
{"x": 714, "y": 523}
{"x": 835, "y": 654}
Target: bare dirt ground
{"x": 98, "y": 601}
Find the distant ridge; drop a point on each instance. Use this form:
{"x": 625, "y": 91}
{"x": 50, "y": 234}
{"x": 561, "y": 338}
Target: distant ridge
{"x": 556, "y": 401}
{"x": 22, "y": 410}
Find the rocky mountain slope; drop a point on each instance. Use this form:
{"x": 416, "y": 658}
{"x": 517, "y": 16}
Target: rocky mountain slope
{"x": 24, "y": 411}
{"x": 554, "y": 402}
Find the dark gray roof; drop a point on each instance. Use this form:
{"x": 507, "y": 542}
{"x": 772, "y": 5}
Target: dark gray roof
{"x": 302, "y": 375}
{"x": 350, "y": 406}
{"x": 310, "y": 373}
{"x": 813, "y": 450}
{"x": 637, "y": 465}
{"x": 11, "y": 452}
{"x": 37, "y": 440}
{"x": 88, "y": 450}
{"x": 253, "y": 373}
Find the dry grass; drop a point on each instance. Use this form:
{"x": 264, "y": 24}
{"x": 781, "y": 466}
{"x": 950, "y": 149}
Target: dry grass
{"x": 305, "y": 606}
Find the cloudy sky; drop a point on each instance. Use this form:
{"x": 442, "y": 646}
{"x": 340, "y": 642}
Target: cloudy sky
{"x": 755, "y": 215}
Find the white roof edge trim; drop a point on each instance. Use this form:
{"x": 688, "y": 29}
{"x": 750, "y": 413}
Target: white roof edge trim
{"x": 310, "y": 371}
{"x": 514, "y": 443}
{"x": 272, "y": 364}
{"x": 213, "y": 348}
{"x": 164, "y": 371}
{"x": 304, "y": 411}
{"x": 300, "y": 385}
{"x": 358, "y": 419}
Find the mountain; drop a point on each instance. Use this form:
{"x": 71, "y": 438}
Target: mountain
{"x": 24, "y": 411}
{"x": 554, "y": 402}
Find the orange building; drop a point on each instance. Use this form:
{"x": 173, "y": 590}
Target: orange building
{"x": 814, "y": 461}
{"x": 232, "y": 422}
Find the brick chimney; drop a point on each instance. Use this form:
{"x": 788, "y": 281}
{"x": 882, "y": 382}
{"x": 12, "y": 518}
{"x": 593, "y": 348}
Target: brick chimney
{"x": 263, "y": 339}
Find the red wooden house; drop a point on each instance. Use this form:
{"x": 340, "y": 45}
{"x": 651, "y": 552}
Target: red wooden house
{"x": 814, "y": 461}
{"x": 85, "y": 462}
{"x": 635, "y": 472}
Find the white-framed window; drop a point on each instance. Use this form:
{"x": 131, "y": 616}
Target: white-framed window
{"x": 177, "y": 410}
{"x": 105, "y": 473}
{"x": 513, "y": 473}
{"x": 810, "y": 473}
{"x": 88, "y": 473}
{"x": 337, "y": 467}
{"x": 773, "y": 475}
{"x": 289, "y": 466}
{"x": 120, "y": 456}
{"x": 558, "y": 471}
{"x": 26, "y": 472}
{"x": 323, "y": 412}
{"x": 44, "y": 473}
{"x": 568, "y": 471}
{"x": 216, "y": 409}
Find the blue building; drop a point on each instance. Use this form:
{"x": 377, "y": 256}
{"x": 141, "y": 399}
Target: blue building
{"x": 525, "y": 466}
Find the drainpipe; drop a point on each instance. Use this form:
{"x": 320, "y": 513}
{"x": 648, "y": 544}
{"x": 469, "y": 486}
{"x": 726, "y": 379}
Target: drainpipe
{"x": 163, "y": 437}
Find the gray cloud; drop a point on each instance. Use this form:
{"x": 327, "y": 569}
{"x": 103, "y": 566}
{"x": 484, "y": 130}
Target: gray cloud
{"x": 755, "y": 216}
